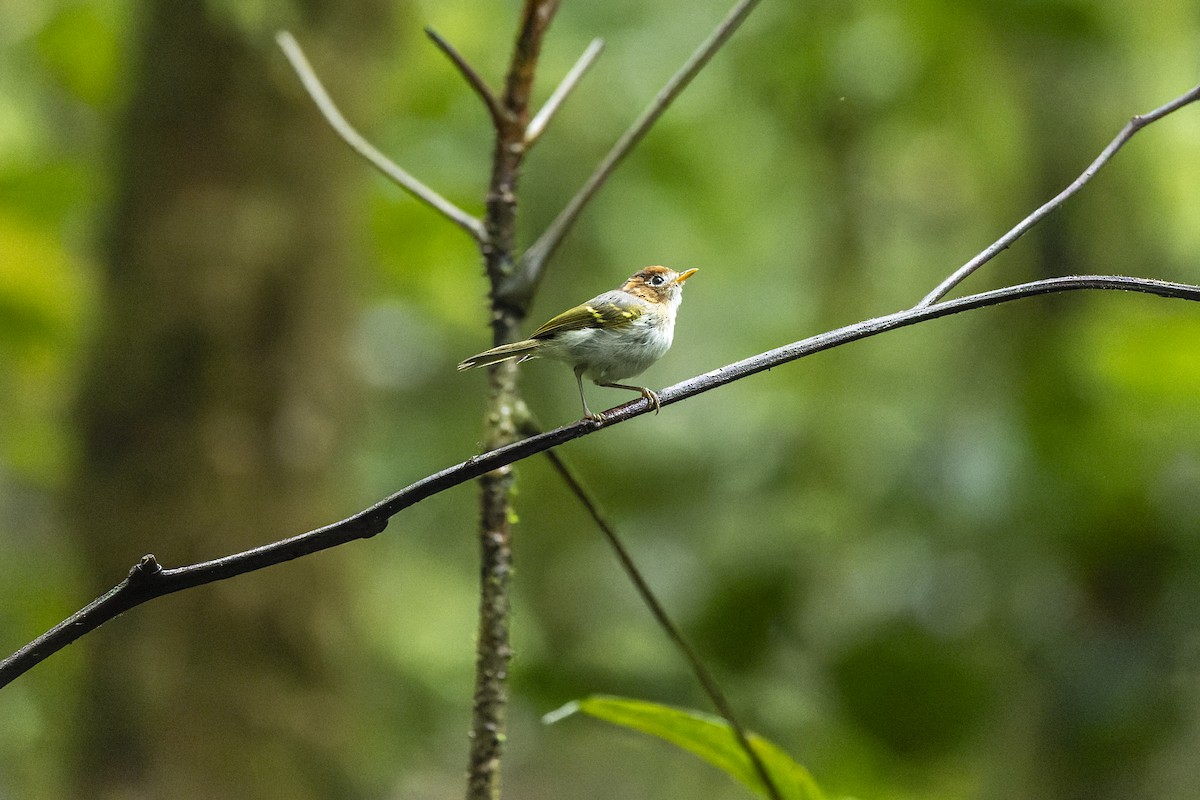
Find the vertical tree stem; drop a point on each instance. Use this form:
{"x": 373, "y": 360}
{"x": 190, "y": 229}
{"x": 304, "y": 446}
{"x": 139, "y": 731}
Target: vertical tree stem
{"x": 493, "y": 651}
{"x": 492, "y": 648}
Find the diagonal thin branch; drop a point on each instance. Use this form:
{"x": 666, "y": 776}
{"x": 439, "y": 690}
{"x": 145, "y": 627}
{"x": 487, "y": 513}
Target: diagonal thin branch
{"x": 537, "y": 125}
{"x": 472, "y": 77}
{"x": 149, "y": 581}
{"x": 410, "y": 184}
{"x": 533, "y": 262}
{"x": 707, "y": 682}
{"x": 1004, "y": 242}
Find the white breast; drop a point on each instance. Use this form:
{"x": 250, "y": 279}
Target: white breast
{"x": 612, "y": 355}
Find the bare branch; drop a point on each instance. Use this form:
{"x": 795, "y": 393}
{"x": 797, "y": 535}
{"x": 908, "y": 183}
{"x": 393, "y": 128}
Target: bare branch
{"x": 1004, "y": 242}
{"x": 291, "y": 49}
{"x": 707, "y": 682}
{"x": 533, "y": 262}
{"x": 472, "y": 77}
{"x": 148, "y": 581}
{"x": 538, "y": 124}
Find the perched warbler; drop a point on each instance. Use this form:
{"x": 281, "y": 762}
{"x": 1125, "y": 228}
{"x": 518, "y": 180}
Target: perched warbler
{"x": 613, "y": 336}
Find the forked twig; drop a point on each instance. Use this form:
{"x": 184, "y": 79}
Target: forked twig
{"x": 533, "y": 262}
{"x": 1133, "y": 126}
{"x": 410, "y": 184}
{"x": 538, "y": 124}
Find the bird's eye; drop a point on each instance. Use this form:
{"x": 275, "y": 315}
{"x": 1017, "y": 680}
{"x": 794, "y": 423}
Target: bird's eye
{"x": 657, "y": 280}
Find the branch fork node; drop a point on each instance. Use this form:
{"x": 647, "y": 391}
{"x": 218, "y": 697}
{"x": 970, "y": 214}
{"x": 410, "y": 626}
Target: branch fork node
{"x": 146, "y": 567}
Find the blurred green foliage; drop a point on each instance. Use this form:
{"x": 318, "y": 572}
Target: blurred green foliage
{"x": 957, "y": 561}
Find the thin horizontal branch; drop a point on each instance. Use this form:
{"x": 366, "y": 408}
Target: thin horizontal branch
{"x": 410, "y": 184}
{"x": 1004, "y": 242}
{"x": 537, "y": 126}
{"x": 148, "y": 580}
{"x": 533, "y": 262}
{"x": 472, "y": 77}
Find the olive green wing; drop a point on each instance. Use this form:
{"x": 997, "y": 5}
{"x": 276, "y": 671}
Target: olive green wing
{"x": 611, "y": 310}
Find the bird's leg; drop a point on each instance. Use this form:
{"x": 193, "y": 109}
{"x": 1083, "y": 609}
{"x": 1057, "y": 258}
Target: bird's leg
{"x": 650, "y": 395}
{"x": 587, "y": 412}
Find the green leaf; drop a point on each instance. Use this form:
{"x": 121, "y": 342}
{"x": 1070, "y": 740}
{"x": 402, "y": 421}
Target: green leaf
{"x": 706, "y": 736}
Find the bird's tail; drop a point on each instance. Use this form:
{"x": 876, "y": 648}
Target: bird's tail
{"x": 523, "y": 349}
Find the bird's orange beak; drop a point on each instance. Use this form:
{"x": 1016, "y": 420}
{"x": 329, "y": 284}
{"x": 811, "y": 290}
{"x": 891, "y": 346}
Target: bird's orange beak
{"x": 683, "y": 276}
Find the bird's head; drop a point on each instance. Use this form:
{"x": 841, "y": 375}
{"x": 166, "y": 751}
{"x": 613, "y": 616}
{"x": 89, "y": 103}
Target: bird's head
{"x": 658, "y": 284}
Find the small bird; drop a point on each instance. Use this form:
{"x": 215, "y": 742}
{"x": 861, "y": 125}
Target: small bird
{"x": 613, "y": 336}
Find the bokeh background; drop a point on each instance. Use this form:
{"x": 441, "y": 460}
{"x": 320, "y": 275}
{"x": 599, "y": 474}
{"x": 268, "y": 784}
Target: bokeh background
{"x": 957, "y": 561}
